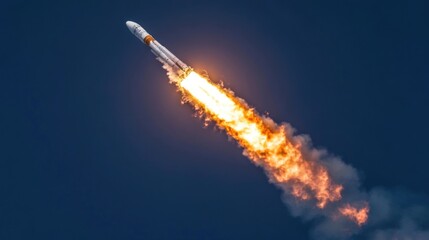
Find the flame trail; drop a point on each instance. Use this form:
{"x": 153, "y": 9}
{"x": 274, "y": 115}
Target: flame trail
{"x": 267, "y": 145}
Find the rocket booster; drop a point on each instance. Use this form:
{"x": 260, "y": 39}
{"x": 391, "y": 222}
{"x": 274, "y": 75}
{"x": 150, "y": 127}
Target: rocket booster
{"x": 162, "y": 54}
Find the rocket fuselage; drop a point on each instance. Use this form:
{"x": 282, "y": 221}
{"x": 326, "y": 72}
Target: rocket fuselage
{"x": 162, "y": 53}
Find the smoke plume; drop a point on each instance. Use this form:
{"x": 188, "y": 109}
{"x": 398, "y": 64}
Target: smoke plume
{"x": 394, "y": 214}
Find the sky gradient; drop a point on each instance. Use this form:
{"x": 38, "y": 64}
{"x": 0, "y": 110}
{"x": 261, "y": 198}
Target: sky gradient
{"x": 96, "y": 144}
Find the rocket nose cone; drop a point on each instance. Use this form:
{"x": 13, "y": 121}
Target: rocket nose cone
{"x": 131, "y": 25}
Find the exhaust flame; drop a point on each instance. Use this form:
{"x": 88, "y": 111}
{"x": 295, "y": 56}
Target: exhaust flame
{"x": 267, "y": 145}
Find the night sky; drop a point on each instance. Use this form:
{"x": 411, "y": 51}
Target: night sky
{"x": 96, "y": 145}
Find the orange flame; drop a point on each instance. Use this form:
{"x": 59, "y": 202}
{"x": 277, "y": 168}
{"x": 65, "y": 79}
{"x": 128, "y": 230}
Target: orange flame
{"x": 360, "y": 216}
{"x": 266, "y": 144}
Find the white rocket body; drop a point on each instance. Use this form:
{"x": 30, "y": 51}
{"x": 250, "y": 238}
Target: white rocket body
{"x": 162, "y": 53}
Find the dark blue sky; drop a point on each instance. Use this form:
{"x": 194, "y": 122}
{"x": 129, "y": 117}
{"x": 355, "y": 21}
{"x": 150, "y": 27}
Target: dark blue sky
{"x": 96, "y": 145}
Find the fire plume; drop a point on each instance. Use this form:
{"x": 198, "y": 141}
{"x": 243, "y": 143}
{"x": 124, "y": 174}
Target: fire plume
{"x": 267, "y": 145}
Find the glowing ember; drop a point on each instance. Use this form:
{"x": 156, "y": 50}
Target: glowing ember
{"x": 358, "y": 215}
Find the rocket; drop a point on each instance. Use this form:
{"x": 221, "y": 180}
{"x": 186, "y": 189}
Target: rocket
{"x": 162, "y": 54}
